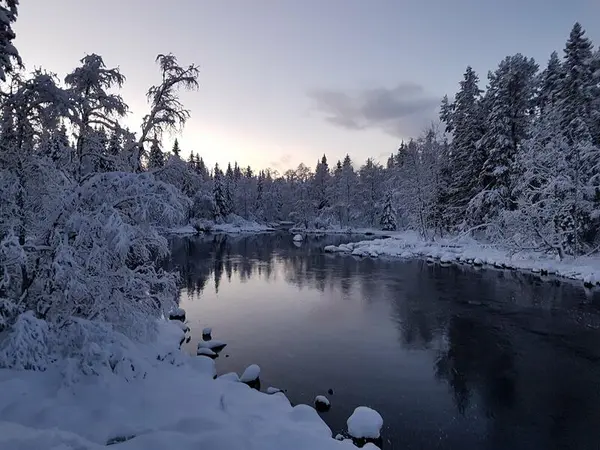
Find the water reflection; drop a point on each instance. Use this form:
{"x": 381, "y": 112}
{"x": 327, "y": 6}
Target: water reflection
{"x": 451, "y": 357}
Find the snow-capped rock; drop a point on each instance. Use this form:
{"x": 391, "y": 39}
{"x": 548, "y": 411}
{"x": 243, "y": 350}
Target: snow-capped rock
{"x": 177, "y": 314}
{"x": 252, "y": 373}
{"x": 206, "y": 331}
{"x": 202, "y": 351}
{"x": 365, "y": 423}
{"x": 298, "y": 238}
{"x": 214, "y": 345}
{"x": 273, "y": 390}
{"x": 322, "y": 403}
{"x": 231, "y": 376}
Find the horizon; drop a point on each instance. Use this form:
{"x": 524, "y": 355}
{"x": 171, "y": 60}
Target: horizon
{"x": 272, "y": 94}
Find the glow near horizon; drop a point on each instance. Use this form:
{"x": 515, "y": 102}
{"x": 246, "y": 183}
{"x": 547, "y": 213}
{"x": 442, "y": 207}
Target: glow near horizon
{"x": 272, "y": 71}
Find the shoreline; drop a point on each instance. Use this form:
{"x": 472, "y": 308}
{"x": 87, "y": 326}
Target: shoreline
{"x": 406, "y": 245}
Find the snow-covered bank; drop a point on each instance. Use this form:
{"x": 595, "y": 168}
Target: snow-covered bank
{"x": 346, "y": 230}
{"x": 469, "y": 251}
{"x": 236, "y": 226}
{"x": 176, "y": 404}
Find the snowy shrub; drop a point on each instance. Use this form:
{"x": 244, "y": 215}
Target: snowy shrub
{"x": 27, "y": 345}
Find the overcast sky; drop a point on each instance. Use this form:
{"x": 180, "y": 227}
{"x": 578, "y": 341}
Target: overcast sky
{"x": 284, "y": 81}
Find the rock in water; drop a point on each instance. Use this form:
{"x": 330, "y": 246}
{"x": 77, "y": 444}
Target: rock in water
{"x": 177, "y": 314}
{"x": 330, "y": 391}
{"x": 215, "y": 346}
{"x": 322, "y": 403}
{"x": 206, "y": 332}
{"x": 298, "y": 238}
{"x": 202, "y": 351}
{"x": 252, "y": 373}
{"x": 365, "y": 423}
{"x": 273, "y": 390}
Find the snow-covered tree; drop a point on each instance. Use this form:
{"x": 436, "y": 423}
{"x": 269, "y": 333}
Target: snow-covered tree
{"x": 388, "y": 217}
{"x": 510, "y": 104}
{"x": 9, "y": 56}
{"x": 219, "y": 194}
{"x": 176, "y": 149}
{"x": 465, "y": 121}
{"x": 156, "y": 157}
{"x": 166, "y": 111}
{"x": 93, "y": 106}
{"x": 370, "y": 191}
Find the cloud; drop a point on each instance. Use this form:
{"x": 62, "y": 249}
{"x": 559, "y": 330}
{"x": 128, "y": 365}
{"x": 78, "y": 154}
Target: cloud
{"x": 402, "y": 111}
{"x": 282, "y": 162}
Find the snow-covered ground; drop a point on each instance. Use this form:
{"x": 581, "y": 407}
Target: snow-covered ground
{"x": 234, "y": 226}
{"x": 341, "y": 230}
{"x": 177, "y": 404}
{"x": 469, "y": 251}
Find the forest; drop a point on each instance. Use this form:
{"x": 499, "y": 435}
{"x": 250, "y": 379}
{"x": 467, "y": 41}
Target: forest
{"x": 84, "y": 199}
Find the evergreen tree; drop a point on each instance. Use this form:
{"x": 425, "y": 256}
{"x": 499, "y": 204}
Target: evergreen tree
{"x": 550, "y": 84}
{"x": 176, "y": 149}
{"x": 388, "y": 217}
{"x": 370, "y": 189}
{"x": 510, "y": 103}
{"x": 219, "y": 194}
{"x": 8, "y": 53}
{"x": 348, "y": 187}
{"x": 229, "y": 190}
{"x": 320, "y": 184}
{"x": 465, "y": 119}
{"x": 192, "y": 162}
{"x": 156, "y": 158}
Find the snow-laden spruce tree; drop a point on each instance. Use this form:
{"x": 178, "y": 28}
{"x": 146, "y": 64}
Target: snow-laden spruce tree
{"x": 9, "y": 56}
{"x": 156, "y": 157}
{"x": 388, "y": 217}
{"x": 219, "y": 194}
{"x": 465, "y": 121}
{"x": 510, "y": 104}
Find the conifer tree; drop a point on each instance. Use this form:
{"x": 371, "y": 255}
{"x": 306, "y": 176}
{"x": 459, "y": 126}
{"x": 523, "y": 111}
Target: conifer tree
{"x": 388, "y": 218}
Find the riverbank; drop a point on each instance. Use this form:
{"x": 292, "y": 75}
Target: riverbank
{"x": 469, "y": 251}
{"x": 175, "y": 403}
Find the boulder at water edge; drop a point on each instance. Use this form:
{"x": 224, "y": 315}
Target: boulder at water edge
{"x": 365, "y": 423}
{"x": 298, "y": 238}
{"x": 214, "y": 345}
{"x": 177, "y": 314}
{"x": 322, "y": 403}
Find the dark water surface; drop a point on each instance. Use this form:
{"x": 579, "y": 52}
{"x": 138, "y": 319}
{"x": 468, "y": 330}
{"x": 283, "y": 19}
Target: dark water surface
{"x": 452, "y": 358}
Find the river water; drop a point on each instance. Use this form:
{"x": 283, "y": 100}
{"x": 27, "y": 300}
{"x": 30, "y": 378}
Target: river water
{"x": 451, "y": 357}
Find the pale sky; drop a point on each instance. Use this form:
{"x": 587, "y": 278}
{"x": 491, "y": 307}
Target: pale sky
{"x": 285, "y": 81}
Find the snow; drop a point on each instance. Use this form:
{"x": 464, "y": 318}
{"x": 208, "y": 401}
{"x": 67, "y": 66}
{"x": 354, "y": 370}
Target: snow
{"x": 212, "y": 345}
{"x": 175, "y": 405}
{"x": 273, "y": 390}
{"x": 207, "y": 331}
{"x": 365, "y": 423}
{"x": 230, "y": 376}
{"x": 408, "y": 245}
{"x": 202, "y": 351}
{"x": 251, "y": 373}
{"x": 234, "y": 225}
{"x": 322, "y": 400}
{"x": 298, "y": 238}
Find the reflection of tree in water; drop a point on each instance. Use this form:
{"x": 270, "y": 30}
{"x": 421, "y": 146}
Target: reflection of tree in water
{"x": 478, "y": 359}
{"x": 200, "y": 258}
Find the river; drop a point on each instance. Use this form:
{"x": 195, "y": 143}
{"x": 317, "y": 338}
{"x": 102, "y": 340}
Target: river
{"x": 451, "y": 357}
